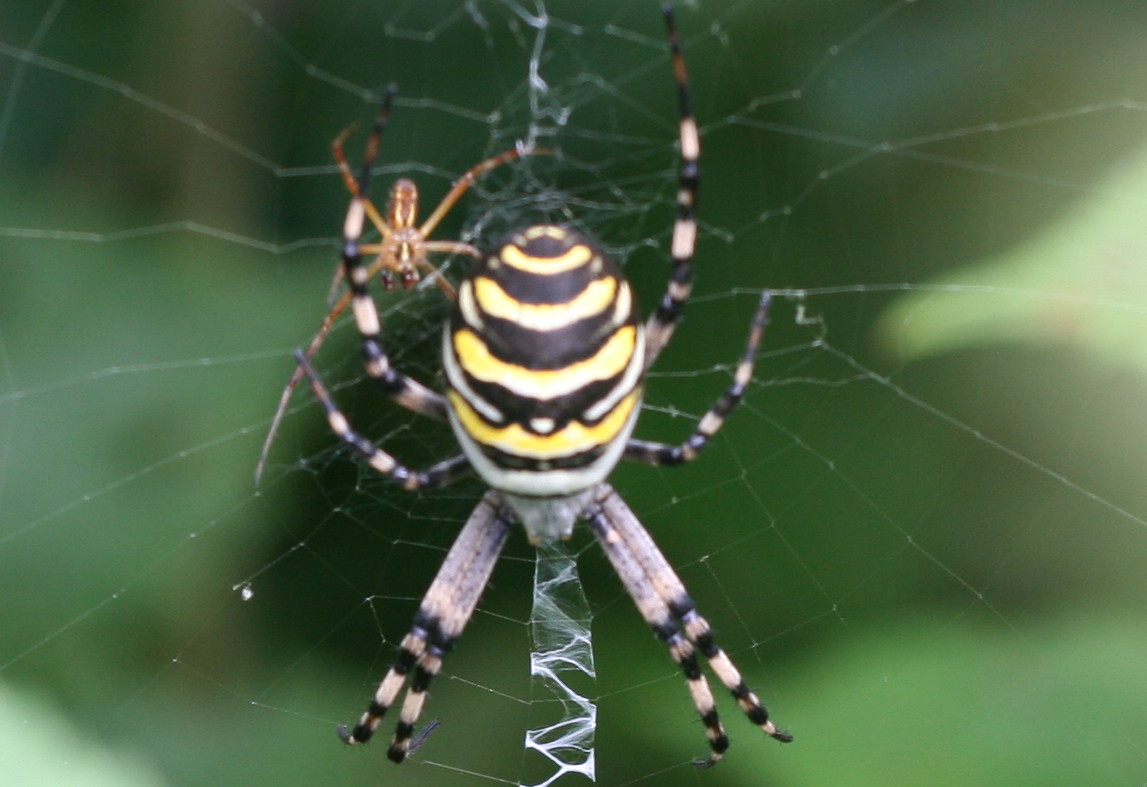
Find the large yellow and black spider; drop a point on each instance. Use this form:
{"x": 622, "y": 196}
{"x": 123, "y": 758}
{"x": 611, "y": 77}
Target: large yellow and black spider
{"x": 544, "y": 359}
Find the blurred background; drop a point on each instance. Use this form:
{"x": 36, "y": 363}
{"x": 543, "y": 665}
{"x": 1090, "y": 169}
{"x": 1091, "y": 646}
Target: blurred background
{"x": 922, "y": 537}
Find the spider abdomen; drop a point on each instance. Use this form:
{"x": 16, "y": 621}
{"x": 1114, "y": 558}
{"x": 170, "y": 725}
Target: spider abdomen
{"x": 543, "y": 358}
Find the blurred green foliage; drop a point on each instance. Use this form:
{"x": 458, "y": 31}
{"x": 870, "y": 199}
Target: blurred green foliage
{"x": 1077, "y": 284}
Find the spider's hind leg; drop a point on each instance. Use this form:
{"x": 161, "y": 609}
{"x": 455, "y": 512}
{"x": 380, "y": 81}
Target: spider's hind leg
{"x": 443, "y": 614}
{"x": 662, "y": 600}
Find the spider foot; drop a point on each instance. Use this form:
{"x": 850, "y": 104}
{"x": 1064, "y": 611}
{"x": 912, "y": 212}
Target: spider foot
{"x": 360, "y": 734}
{"x": 708, "y": 762}
{"x": 759, "y": 716}
{"x": 782, "y": 735}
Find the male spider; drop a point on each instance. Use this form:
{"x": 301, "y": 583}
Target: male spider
{"x": 401, "y": 251}
{"x": 544, "y": 358}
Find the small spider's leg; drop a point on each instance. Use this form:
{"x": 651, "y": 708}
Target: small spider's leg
{"x": 398, "y": 386}
{"x": 440, "y": 474}
{"x": 441, "y": 618}
{"x": 445, "y": 247}
{"x": 348, "y": 176}
{"x": 358, "y": 189}
{"x": 712, "y": 421}
{"x": 466, "y": 180}
{"x": 659, "y": 327}
{"x": 450, "y": 247}
{"x": 633, "y": 538}
{"x": 610, "y": 520}
{"x": 375, "y": 138}
{"x": 440, "y": 280}
{"x": 296, "y": 376}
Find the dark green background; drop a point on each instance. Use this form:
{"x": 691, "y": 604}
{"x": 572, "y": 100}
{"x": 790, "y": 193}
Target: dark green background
{"x": 931, "y": 570}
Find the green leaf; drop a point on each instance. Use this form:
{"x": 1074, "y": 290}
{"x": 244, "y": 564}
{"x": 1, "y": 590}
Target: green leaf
{"x": 1079, "y": 283}
{"x": 39, "y": 746}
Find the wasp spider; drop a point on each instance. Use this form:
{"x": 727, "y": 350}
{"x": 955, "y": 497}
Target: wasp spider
{"x": 544, "y": 358}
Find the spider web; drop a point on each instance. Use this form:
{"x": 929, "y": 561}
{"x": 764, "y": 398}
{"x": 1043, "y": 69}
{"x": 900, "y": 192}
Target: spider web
{"x": 921, "y": 537}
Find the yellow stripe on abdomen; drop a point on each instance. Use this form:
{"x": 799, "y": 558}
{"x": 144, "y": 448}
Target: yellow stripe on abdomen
{"x": 476, "y": 359}
{"x": 593, "y": 300}
{"x": 575, "y": 257}
{"x": 574, "y": 438}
